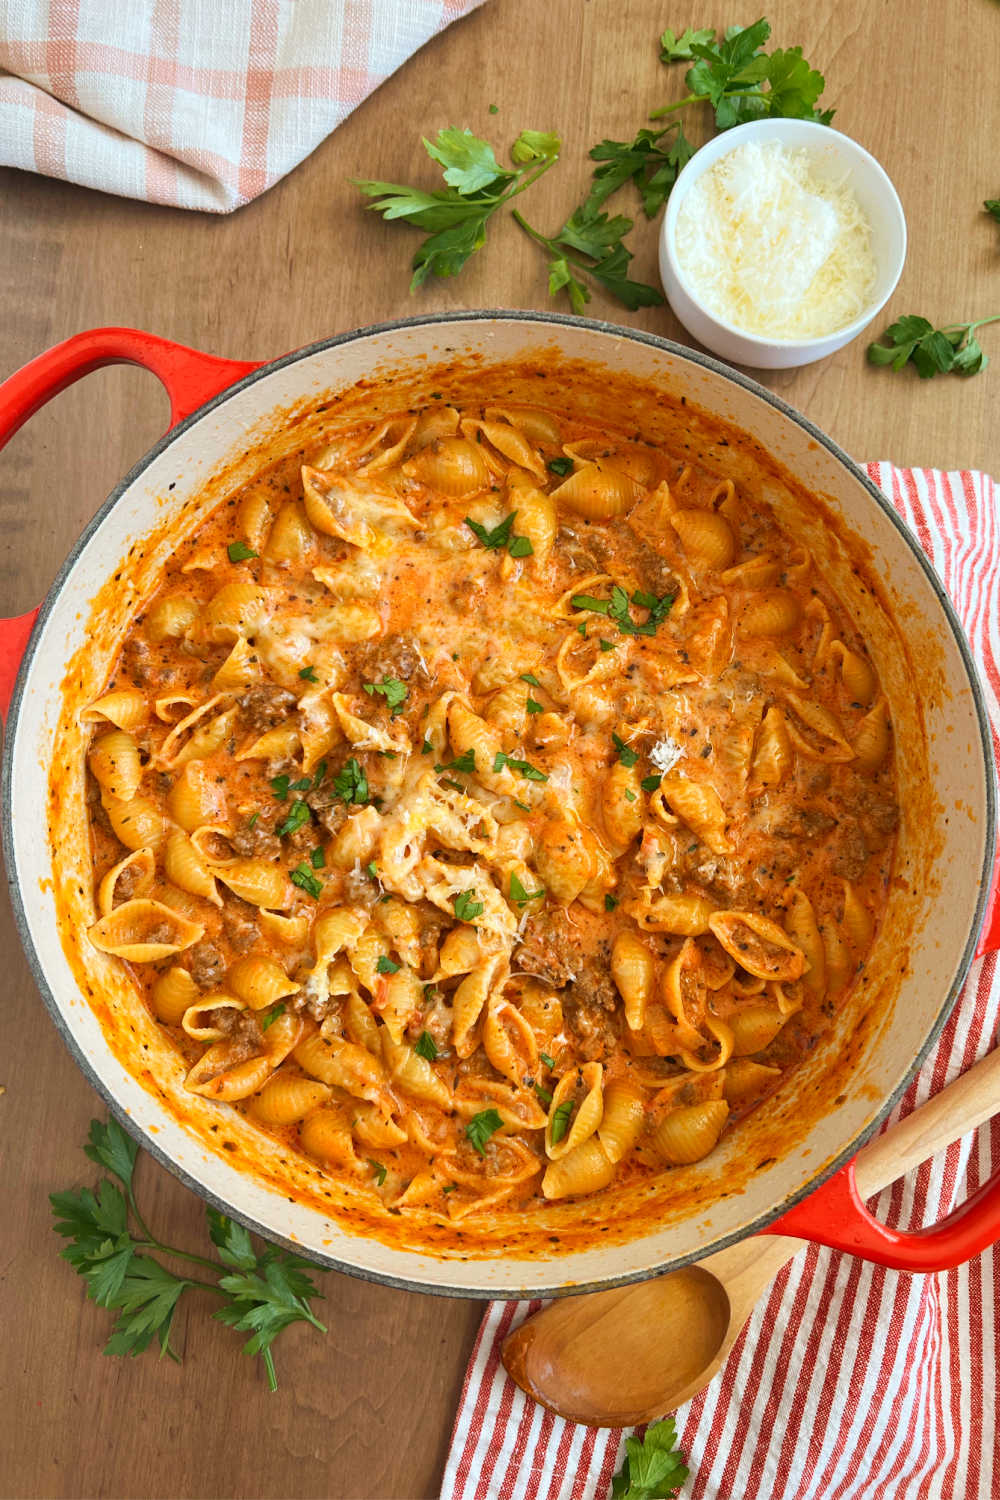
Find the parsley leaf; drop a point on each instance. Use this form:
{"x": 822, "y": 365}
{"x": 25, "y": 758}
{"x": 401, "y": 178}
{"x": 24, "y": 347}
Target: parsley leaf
{"x": 299, "y": 814}
{"x": 531, "y": 679}
{"x": 308, "y": 674}
{"x": 466, "y": 763}
{"x": 533, "y": 707}
{"x": 617, "y": 609}
{"x": 501, "y": 536}
{"x": 562, "y": 467}
{"x": 608, "y": 261}
{"x": 610, "y": 902}
{"x": 351, "y": 784}
{"x": 932, "y": 351}
{"x": 240, "y": 552}
{"x": 303, "y": 877}
{"x": 425, "y": 1046}
{"x": 279, "y": 786}
{"x": 650, "y": 783}
{"x": 467, "y": 908}
{"x": 378, "y": 1171}
{"x": 654, "y": 1467}
{"x": 743, "y": 82}
{"x": 522, "y": 767}
{"x": 476, "y": 185}
{"x": 519, "y": 895}
{"x": 560, "y": 1120}
{"x": 547, "y": 1060}
{"x": 992, "y": 207}
{"x": 392, "y": 690}
{"x": 626, "y": 754}
{"x": 481, "y": 1127}
{"x": 261, "y": 1294}
{"x": 648, "y": 160}
{"x": 317, "y": 858}
{"x": 678, "y": 48}
{"x": 271, "y": 1016}
{"x": 387, "y": 965}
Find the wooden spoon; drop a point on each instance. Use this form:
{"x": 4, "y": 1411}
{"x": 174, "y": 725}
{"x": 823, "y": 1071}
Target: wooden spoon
{"x": 628, "y": 1355}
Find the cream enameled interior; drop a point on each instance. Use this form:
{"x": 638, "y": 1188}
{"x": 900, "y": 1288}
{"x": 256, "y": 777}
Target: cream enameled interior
{"x": 942, "y": 841}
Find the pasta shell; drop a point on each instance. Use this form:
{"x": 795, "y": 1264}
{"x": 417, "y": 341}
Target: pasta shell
{"x": 413, "y": 1073}
{"x": 206, "y": 1018}
{"x": 184, "y": 866}
{"x": 126, "y": 708}
{"x": 326, "y": 1135}
{"x": 683, "y": 915}
{"x": 758, "y": 945}
{"x": 130, "y": 877}
{"x": 114, "y": 762}
{"x": 754, "y": 1027}
{"x": 237, "y": 609}
{"x": 452, "y": 465}
{"x": 632, "y": 970}
{"x": 286, "y": 1098}
{"x": 756, "y": 573}
{"x": 576, "y": 1110}
{"x": 623, "y": 1118}
{"x": 537, "y": 426}
{"x": 281, "y": 743}
{"x": 144, "y": 931}
{"x": 772, "y": 612}
{"x": 857, "y": 674}
{"x": 565, "y": 858}
{"x": 240, "y": 668}
{"x": 598, "y": 492}
{"x": 803, "y": 929}
{"x": 518, "y": 1108}
{"x": 172, "y": 994}
{"x": 508, "y": 441}
{"x": 258, "y": 882}
{"x": 291, "y": 932}
{"x": 259, "y": 981}
{"x": 171, "y": 618}
{"x": 470, "y": 998}
{"x": 398, "y": 999}
{"x": 699, "y": 805}
{"x": 689, "y": 1133}
{"x": 253, "y": 518}
{"x": 873, "y": 737}
{"x": 707, "y": 538}
{"x": 621, "y": 805}
{"x": 195, "y": 798}
{"x": 815, "y": 732}
{"x": 217, "y": 1075}
{"x": 342, "y": 1065}
{"x": 373, "y": 1127}
{"x": 585, "y": 1170}
{"x": 772, "y": 756}
{"x": 746, "y": 1080}
{"x": 291, "y": 539}
{"x": 508, "y": 1041}
{"x": 858, "y": 923}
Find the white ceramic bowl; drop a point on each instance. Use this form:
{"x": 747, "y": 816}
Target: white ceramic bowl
{"x": 836, "y": 154}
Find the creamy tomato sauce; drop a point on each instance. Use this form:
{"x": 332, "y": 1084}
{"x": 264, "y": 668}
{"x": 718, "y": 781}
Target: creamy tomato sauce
{"x": 492, "y": 806}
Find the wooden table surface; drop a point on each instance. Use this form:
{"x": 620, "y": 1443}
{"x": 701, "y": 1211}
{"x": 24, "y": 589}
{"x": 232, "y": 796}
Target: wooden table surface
{"x": 366, "y": 1411}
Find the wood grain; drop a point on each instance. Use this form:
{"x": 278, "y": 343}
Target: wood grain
{"x": 367, "y": 1410}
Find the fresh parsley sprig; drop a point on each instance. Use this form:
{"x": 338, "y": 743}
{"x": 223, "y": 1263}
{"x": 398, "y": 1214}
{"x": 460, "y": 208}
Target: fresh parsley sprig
{"x": 617, "y": 609}
{"x": 992, "y": 207}
{"x": 740, "y": 80}
{"x": 932, "y": 351}
{"x": 476, "y": 185}
{"x": 591, "y": 233}
{"x": 262, "y": 1293}
{"x": 654, "y": 1467}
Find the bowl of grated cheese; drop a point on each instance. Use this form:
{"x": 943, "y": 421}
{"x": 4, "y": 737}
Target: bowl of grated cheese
{"x": 781, "y": 242}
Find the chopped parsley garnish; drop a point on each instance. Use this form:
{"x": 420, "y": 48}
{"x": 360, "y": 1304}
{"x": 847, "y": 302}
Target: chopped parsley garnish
{"x": 387, "y": 965}
{"x": 372, "y": 869}
{"x": 629, "y": 795}
{"x": 240, "y": 552}
{"x": 303, "y": 785}
{"x": 533, "y": 707}
{"x": 617, "y": 609}
{"x": 271, "y": 1017}
{"x": 606, "y": 645}
{"x": 456, "y": 786}
{"x": 481, "y": 1127}
{"x": 547, "y": 1060}
{"x": 252, "y": 819}
{"x": 308, "y": 674}
{"x": 650, "y": 783}
{"x": 427, "y": 748}
{"x": 560, "y": 1120}
{"x": 378, "y": 1171}
{"x": 351, "y": 784}
{"x": 543, "y": 1094}
{"x": 610, "y": 902}
{"x": 530, "y": 679}
{"x": 320, "y": 773}
{"x": 298, "y": 815}
{"x": 303, "y": 877}
{"x": 561, "y": 466}
{"x": 392, "y": 690}
{"x": 317, "y": 858}
{"x": 501, "y": 537}
{"x": 522, "y": 767}
{"x": 279, "y": 786}
{"x": 467, "y": 908}
{"x": 425, "y": 1046}
{"x": 466, "y": 763}
{"x": 522, "y": 805}
{"x": 519, "y": 895}
{"x": 626, "y": 754}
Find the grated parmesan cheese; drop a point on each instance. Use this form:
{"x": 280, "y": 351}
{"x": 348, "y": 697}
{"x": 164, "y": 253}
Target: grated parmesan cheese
{"x": 774, "y": 246}
{"x": 665, "y": 754}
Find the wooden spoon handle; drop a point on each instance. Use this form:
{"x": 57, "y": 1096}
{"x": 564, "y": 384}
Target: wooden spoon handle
{"x": 957, "y": 1109}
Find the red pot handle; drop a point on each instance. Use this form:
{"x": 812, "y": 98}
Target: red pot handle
{"x": 191, "y": 378}
{"x": 835, "y": 1215}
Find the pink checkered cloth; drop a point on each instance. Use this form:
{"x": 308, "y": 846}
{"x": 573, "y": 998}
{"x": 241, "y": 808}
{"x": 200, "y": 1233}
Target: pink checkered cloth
{"x": 194, "y": 103}
{"x": 850, "y": 1382}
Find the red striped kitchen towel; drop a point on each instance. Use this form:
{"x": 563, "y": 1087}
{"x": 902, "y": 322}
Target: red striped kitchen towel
{"x": 850, "y": 1382}
{"x": 195, "y": 103}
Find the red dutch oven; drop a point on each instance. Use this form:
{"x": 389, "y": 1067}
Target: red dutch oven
{"x": 790, "y": 1175}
